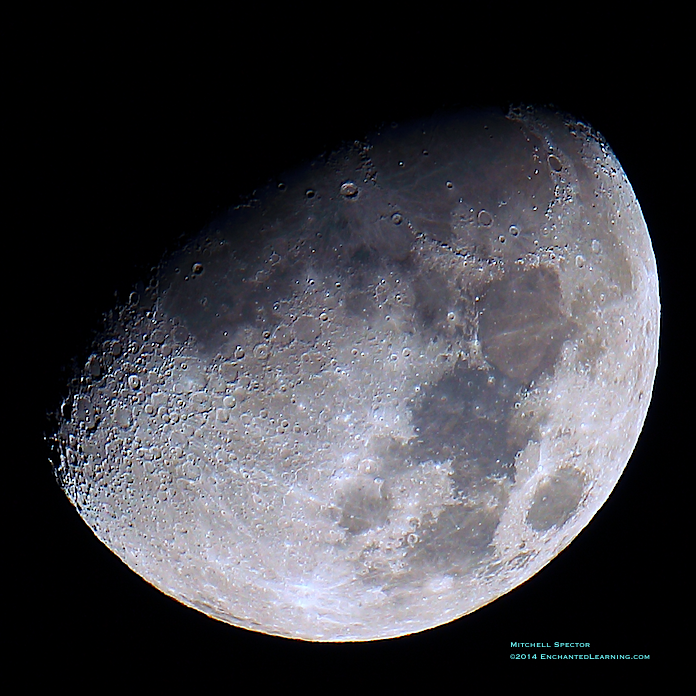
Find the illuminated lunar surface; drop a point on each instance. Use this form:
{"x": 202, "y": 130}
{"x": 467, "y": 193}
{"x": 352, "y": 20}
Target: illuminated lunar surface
{"x": 382, "y": 393}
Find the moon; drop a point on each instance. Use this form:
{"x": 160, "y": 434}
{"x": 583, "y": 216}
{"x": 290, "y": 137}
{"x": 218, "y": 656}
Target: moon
{"x": 385, "y": 390}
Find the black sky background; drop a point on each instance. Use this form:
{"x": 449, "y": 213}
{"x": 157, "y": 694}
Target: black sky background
{"x": 126, "y": 142}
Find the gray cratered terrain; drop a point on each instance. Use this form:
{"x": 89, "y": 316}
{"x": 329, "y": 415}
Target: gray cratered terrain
{"x": 384, "y": 391}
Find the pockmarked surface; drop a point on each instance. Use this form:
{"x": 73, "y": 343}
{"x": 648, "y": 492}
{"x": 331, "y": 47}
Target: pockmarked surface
{"x": 383, "y": 392}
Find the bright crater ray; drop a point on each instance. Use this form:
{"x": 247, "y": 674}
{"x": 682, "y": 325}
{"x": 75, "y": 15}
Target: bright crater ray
{"x": 383, "y": 394}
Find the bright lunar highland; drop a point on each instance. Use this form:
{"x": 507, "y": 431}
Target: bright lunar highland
{"x": 385, "y": 390}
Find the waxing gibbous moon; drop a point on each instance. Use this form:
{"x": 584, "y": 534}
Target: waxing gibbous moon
{"x": 384, "y": 391}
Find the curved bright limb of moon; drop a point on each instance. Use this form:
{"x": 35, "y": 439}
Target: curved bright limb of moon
{"x": 385, "y": 391}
